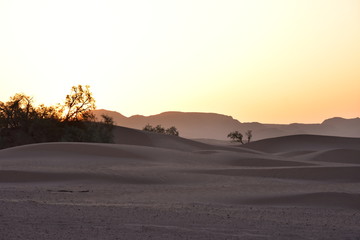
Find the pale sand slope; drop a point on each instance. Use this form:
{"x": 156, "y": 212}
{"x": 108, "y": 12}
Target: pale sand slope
{"x": 161, "y": 187}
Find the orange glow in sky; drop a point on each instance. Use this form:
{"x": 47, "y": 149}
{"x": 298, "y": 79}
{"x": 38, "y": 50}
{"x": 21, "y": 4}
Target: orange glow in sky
{"x": 271, "y": 61}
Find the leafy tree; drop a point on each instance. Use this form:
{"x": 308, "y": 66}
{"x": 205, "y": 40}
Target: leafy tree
{"x": 107, "y": 120}
{"x": 172, "y": 131}
{"x": 159, "y": 129}
{"x": 52, "y": 112}
{"x": 17, "y": 112}
{"x": 148, "y": 128}
{"x": 236, "y": 136}
{"x": 22, "y": 123}
{"x": 79, "y": 104}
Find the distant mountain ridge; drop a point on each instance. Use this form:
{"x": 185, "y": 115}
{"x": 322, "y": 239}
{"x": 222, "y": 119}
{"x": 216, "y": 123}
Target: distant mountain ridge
{"x": 195, "y": 125}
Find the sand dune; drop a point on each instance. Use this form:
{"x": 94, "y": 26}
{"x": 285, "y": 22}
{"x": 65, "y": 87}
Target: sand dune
{"x": 320, "y": 199}
{"x": 319, "y": 173}
{"x": 351, "y": 156}
{"x": 130, "y": 136}
{"x": 304, "y": 143}
{"x": 149, "y": 185}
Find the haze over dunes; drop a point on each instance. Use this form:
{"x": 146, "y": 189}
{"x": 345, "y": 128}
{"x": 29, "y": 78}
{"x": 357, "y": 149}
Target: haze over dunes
{"x": 217, "y": 126}
{"x": 150, "y": 185}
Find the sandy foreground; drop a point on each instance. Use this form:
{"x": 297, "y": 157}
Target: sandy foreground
{"x": 150, "y": 186}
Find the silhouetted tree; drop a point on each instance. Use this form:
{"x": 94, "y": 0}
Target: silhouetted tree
{"x": 172, "y": 131}
{"x": 52, "y": 112}
{"x": 159, "y": 129}
{"x": 248, "y": 134}
{"x": 17, "y": 112}
{"x": 236, "y": 136}
{"x": 22, "y": 123}
{"x": 79, "y": 104}
{"x": 107, "y": 120}
{"x": 148, "y": 128}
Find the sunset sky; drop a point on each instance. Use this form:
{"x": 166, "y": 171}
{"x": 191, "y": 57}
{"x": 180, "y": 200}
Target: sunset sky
{"x": 271, "y": 61}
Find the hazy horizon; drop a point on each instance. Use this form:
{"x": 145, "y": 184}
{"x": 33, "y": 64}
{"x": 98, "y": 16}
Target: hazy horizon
{"x": 257, "y": 61}
{"x": 154, "y": 114}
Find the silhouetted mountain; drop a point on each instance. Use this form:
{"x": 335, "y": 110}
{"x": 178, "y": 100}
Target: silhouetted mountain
{"x": 217, "y": 126}
{"x": 343, "y": 127}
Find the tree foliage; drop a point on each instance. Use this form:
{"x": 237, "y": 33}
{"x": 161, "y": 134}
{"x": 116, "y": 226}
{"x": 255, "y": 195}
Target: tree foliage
{"x": 18, "y": 111}
{"x": 159, "y": 129}
{"x": 21, "y": 122}
{"x": 79, "y": 104}
{"x": 237, "y": 136}
{"x": 172, "y": 131}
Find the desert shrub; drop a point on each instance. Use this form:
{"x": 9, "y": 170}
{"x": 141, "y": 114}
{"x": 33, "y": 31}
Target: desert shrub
{"x": 159, "y": 129}
{"x": 237, "y": 136}
{"x": 148, "y": 128}
{"x": 172, "y": 131}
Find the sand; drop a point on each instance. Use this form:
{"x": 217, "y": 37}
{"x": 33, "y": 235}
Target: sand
{"x": 151, "y": 186}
